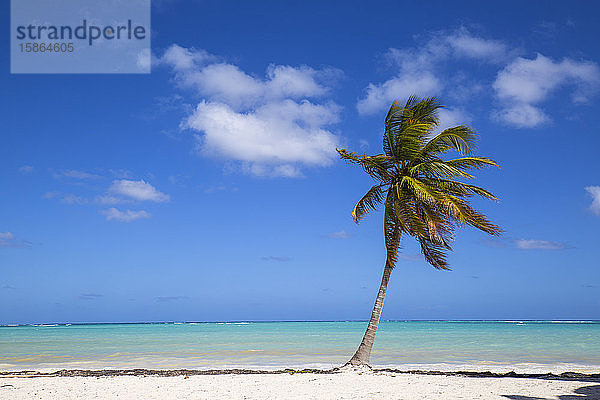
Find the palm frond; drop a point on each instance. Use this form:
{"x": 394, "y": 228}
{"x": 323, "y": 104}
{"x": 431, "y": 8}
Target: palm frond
{"x": 460, "y": 138}
{"x": 389, "y": 142}
{"x": 458, "y": 189}
{"x": 440, "y": 229}
{"x": 406, "y": 129}
{"x": 466, "y": 163}
{"x": 423, "y": 192}
{"x": 434, "y": 253}
{"x": 376, "y": 166}
{"x": 404, "y": 206}
{"x": 368, "y": 202}
{"x": 392, "y": 228}
{"x": 425, "y": 109}
{"x": 463, "y": 213}
{"x": 438, "y": 168}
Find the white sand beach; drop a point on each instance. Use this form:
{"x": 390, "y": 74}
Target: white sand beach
{"x": 344, "y": 385}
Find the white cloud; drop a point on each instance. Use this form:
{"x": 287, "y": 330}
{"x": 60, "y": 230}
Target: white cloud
{"x": 180, "y": 58}
{"x": 66, "y": 198}
{"x": 285, "y": 81}
{"x": 449, "y": 117}
{"x": 90, "y": 296}
{"x": 7, "y": 239}
{"x": 520, "y": 86}
{"x": 380, "y": 96}
{"x": 26, "y": 169}
{"x": 531, "y": 244}
{"x": 120, "y": 173}
{"x": 272, "y": 126}
{"x": 410, "y": 257}
{"x": 120, "y": 191}
{"x": 419, "y": 68}
{"x": 339, "y": 235}
{"x": 69, "y": 198}
{"x": 594, "y": 191}
{"x": 530, "y": 81}
{"x": 267, "y": 171}
{"x": 521, "y": 116}
{"x": 276, "y": 258}
{"x": 51, "y": 195}
{"x": 71, "y": 173}
{"x": 224, "y": 83}
{"x": 464, "y": 44}
{"x": 271, "y": 139}
{"x": 143, "y": 60}
{"x": 215, "y": 189}
{"x": 124, "y": 216}
{"x": 109, "y": 199}
{"x": 227, "y": 83}
{"x": 524, "y": 83}
{"x": 137, "y": 190}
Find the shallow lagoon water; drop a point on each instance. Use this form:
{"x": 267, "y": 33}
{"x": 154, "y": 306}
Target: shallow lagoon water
{"x": 442, "y": 345}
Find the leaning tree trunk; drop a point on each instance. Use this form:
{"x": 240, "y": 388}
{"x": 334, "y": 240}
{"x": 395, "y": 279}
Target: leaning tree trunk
{"x": 363, "y": 354}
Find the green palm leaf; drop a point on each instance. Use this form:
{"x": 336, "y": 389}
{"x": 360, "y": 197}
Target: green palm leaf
{"x": 368, "y": 203}
{"x": 460, "y": 138}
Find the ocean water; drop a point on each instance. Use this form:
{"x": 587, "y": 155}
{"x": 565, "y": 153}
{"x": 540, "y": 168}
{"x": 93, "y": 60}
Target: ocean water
{"x": 523, "y": 346}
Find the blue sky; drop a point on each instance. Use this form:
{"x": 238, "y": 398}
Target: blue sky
{"x": 210, "y": 189}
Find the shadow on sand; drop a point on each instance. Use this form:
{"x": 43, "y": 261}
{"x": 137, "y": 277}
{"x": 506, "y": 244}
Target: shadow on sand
{"x": 582, "y": 393}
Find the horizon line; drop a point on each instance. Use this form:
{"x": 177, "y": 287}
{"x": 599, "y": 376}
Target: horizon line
{"x": 172, "y": 322}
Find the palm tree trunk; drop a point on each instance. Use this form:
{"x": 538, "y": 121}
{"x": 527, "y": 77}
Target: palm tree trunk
{"x": 363, "y": 354}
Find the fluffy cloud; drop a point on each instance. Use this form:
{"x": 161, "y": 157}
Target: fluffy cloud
{"x": 450, "y": 117}
{"x": 182, "y": 59}
{"x": 532, "y": 244}
{"x": 530, "y": 81}
{"x": 144, "y": 60}
{"x": 6, "y": 236}
{"x": 594, "y": 191}
{"x": 464, "y": 44}
{"x": 120, "y": 191}
{"x": 278, "y": 134}
{"x": 520, "y": 86}
{"x": 137, "y": 190}
{"x": 524, "y": 83}
{"x": 227, "y": 83}
{"x": 124, "y": 216}
{"x": 418, "y": 68}
{"x": 521, "y": 115}
{"x": 7, "y": 239}
{"x": 271, "y": 126}
{"x": 380, "y": 96}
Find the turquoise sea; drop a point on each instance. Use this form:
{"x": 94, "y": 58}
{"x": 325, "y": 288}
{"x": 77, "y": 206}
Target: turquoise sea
{"x": 441, "y": 345}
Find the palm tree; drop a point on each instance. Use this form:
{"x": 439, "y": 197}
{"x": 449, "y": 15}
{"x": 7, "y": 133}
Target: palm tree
{"x": 419, "y": 189}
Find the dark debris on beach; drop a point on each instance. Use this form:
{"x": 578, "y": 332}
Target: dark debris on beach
{"x": 571, "y": 376}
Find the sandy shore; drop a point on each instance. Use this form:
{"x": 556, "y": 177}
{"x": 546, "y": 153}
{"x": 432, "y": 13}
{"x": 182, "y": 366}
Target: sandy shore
{"x": 340, "y": 385}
